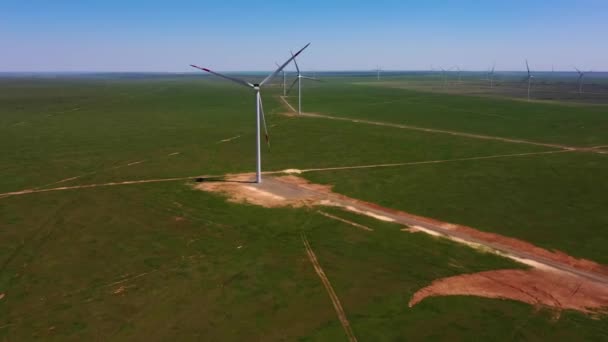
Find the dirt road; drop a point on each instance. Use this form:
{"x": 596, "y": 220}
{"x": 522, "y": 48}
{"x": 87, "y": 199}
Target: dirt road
{"x": 450, "y": 132}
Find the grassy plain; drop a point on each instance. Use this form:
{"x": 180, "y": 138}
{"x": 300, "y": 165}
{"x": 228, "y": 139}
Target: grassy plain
{"x": 569, "y": 124}
{"x": 161, "y": 261}
{"x": 554, "y": 200}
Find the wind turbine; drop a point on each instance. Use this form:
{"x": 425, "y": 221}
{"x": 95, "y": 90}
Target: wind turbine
{"x": 378, "y": 69}
{"x": 259, "y": 108}
{"x": 298, "y": 80}
{"x": 529, "y": 79}
{"x": 491, "y": 75}
{"x": 284, "y": 79}
{"x": 581, "y": 75}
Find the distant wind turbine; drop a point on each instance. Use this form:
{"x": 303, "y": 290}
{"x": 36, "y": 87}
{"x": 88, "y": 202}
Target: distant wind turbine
{"x": 284, "y": 80}
{"x": 258, "y": 105}
{"x": 581, "y": 75}
{"x": 378, "y": 70}
{"x": 491, "y": 75}
{"x": 298, "y": 80}
{"x": 529, "y": 79}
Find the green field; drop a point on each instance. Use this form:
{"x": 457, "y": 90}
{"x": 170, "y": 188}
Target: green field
{"x": 578, "y": 125}
{"x": 162, "y": 261}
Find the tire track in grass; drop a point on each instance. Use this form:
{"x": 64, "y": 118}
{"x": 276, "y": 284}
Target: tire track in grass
{"x": 330, "y": 290}
{"x": 354, "y": 224}
{"x": 370, "y": 166}
{"x": 89, "y": 174}
{"x": 88, "y": 186}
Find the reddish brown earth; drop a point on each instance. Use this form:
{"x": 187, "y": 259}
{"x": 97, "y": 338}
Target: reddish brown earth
{"x": 556, "y": 280}
{"x": 536, "y": 287}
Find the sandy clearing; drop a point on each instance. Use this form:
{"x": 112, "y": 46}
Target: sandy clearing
{"x": 536, "y": 287}
{"x": 354, "y": 224}
{"x": 266, "y": 194}
{"x": 241, "y": 189}
{"x": 329, "y": 289}
{"x": 173, "y": 154}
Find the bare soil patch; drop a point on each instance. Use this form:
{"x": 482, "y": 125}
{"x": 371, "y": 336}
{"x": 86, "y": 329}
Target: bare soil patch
{"x": 537, "y": 287}
{"x": 556, "y": 280}
{"x": 284, "y": 191}
{"x": 295, "y": 191}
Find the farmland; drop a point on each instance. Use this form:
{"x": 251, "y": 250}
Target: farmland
{"x": 160, "y": 260}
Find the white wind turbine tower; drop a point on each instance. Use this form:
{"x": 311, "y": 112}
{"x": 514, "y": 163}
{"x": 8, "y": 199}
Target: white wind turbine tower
{"x": 581, "y": 75}
{"x": 259, "y": 108}
{"x": 529, "y": 79}
{"x": 378, "y": 70}
{"x": 298, "y": 80}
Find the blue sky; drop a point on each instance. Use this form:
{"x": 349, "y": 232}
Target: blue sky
{"x": 233, "y": 35}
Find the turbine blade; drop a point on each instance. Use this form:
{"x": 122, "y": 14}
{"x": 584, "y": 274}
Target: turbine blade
{"x": 283, "y": 66}
{"x": 237, "y": 80}
{"x": 267, "y": 136}
{"x": 528, "y": 68}
{"x": 296, "y": 63}
{"x": 312, "y": 78}
{"x": 292, "y": 85}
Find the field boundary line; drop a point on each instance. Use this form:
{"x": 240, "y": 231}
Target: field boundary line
{"x": 370, "y": 166}
{"x": 336, "y": 168}
{"x": 454, "y": 133}
{"x": 330, "y": 290}
{"x": 354, "y": 224}
{"x": 98, "y": 185}
{"x": 88, "y": 174}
